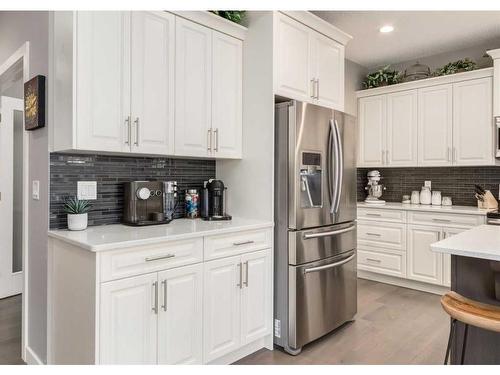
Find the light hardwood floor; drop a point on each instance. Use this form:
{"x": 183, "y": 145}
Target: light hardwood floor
{"x": 10, "y": 331}
{"x": 393, "y": 326}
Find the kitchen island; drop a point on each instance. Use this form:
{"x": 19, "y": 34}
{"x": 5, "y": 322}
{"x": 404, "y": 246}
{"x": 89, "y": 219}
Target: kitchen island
{"x": 475, "y": 274}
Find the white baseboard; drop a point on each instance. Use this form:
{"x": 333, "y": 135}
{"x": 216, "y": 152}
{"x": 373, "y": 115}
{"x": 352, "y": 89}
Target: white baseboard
{"x": 32, "y": 358}
{"x": 405, "y": 283}
{"x": 242, "y": 352}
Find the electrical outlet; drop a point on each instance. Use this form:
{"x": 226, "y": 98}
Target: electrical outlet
{"x": 428, "y": 184}
{"x": 35, "y": 190}
{"x": 87, "y": 190}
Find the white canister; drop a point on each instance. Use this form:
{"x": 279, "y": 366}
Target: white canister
{"x": 436, "y": 198}
{"x": 415, "y": 197}
{"x": 77, "y": 221}
{"x": 425, "y": 195}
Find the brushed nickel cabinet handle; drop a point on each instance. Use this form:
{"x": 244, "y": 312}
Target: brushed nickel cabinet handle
{"x": 159, "y": 257}
{"x": 242, "y": 243}
{"x": 246, "y": 274}
{"x": 312, "y": 87}
{"x": 155, "y": 297}
{"x": 373, "y": 234}
{"x": 317, "y": 88}
{"x": 441, "y": 220}
{"x": 209, "y": 135}
{"x": 164, "y": 286}
{"x": 136, "y": 122}
{"x": 216, "y": 142}
{"x": 240, "y": 284}
{"x": 373, "y": 260}
{"x": 370, "y": 214}
{"x": 129, "y": 130}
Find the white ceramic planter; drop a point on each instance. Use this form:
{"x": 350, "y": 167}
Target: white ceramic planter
{"x": 77, "y": 221}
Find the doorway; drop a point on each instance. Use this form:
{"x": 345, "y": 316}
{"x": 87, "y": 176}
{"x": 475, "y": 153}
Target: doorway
{"x": 14, "y": 162}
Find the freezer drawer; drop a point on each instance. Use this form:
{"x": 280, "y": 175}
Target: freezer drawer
{"x": 310, "y": 245}
{"x": 323, "y": 296}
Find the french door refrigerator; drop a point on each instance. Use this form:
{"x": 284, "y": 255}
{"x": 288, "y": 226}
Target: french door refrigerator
{"x": 315, "y": 229}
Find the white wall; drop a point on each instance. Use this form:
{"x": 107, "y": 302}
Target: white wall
{"x": 354, "y": 75}
{"x": 15, "y": 29}
{"x": 250, "y": 181}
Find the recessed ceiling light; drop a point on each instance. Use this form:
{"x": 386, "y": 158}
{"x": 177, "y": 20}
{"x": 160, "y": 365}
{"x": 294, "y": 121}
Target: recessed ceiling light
{"x": 386, "y": 29}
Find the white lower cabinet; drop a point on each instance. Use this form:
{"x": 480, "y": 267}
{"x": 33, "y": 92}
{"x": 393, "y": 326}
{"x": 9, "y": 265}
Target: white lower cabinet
{"x": 236, "y": 302}
{"x": 448, "y": 232}
{"x": 128, "y": 330}
{"x": 423, "y": 264}
{"x": 180, "y": 329}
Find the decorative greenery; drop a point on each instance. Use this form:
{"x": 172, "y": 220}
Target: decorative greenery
{"x": 75, "y": 206}
{"x": 458, "y": 66}
{"x": 231, "y": 15}
{"x": 382, "y": 77}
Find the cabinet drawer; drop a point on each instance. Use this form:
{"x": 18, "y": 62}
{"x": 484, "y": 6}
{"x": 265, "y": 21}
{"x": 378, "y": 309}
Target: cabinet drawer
{"x": 139, "y": 260}
{"x": 224, "y": 245}
{"x": 385, "y": 235}
{"x": 436, "y": 218}
{"x": 396, "y": 216}
{"x": 388, "y": 264}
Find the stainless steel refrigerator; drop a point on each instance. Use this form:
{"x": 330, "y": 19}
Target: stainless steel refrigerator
{"x": 315, "y": 229}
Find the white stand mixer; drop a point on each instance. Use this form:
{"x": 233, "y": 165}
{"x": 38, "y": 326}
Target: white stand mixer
{"x": 374, "y": 188}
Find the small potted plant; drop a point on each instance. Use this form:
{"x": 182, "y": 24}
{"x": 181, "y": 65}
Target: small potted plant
{"x": 459, "y": 66}
{"x": 77, "y": 211}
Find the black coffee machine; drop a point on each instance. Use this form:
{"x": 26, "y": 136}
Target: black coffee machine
{"x": 213, "y": 201}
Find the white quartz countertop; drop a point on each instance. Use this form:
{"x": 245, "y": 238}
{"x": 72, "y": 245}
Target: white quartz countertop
{"x": 481, "y": 242}
{"x": 107, "y": 237}
{"x": 470, "y": 210}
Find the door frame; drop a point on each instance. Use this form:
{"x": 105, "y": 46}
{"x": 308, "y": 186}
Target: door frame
{"x": 23, "y": 53}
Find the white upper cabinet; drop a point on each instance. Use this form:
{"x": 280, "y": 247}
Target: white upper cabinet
{"x": 180, "y": 316}
{"x": 371, "y": 131}
{"x": 152, "y": 94}
{"x": 193, "y": 76}
{"x": 473, "y": 122}
{"x": 435, "y": 125}
{"x": 128, "y": 328}
{"x": 102, "y": 82}
{"x": 227, "y": 96}
{"x": 293, "y": 73}
{"x": 401, "y": 131}
{"x": 147, "y": 83}
{"x": 309, "y": 66}
{"x": 327, "y": 63}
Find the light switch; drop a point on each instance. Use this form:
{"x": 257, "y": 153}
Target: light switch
{"x": 428, "y": 184}
{"x": 35, "y": 190}
{"x": 87, "y": 190}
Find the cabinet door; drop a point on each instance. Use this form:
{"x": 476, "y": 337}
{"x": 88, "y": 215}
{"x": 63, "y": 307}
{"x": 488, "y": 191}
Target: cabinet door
{"x": 402, "y": 129}
{"x": 152, "y": 106}
{"x": 292, "y": 48}
{"x": 180, "y": 337}
{"x": 372, "y": 124}
{"x": 221, "y": 307}
{"x": 473, "y": 122}
{"x": 255, "y": 297}
{"x": 435, "y": 124}
{"x": 128, "y": 322}
{"x": 193, "y": 86}
{"x": 327, "y": 59}
{"x": 102, "y": 86}
{"x": 448, "y": 232}
{"x": 227, "y": 95}
{"x": 424, "y": 264}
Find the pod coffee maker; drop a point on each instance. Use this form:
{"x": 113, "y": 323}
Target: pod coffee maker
{"x": 213, "y": 201}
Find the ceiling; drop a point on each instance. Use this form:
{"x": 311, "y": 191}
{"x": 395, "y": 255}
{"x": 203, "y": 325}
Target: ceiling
{"x": 416, "y": 33}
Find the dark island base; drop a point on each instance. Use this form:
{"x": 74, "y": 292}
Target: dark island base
{"x": 475, "y": 279}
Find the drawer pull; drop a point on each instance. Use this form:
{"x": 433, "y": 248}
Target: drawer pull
{"x": 159, "y": 257}
{"x": 441, "y": 220}
{"x": 242, "y": 243}
{"x": 373, "y": 260}
{"x": 373, "y": 234}
{"x": 369, "y": 214}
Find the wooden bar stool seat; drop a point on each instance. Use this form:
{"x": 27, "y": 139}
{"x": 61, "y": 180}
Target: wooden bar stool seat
{"x": 469, "y": 312}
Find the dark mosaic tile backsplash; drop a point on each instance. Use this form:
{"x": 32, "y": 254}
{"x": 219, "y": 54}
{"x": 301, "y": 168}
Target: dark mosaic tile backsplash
{"x": 111, "y": 172}
{"x": 456, "y": 182}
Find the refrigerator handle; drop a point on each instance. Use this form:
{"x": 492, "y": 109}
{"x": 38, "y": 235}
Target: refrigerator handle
{"x": 330, "y": 161}
{"x": 336, "y": 156}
